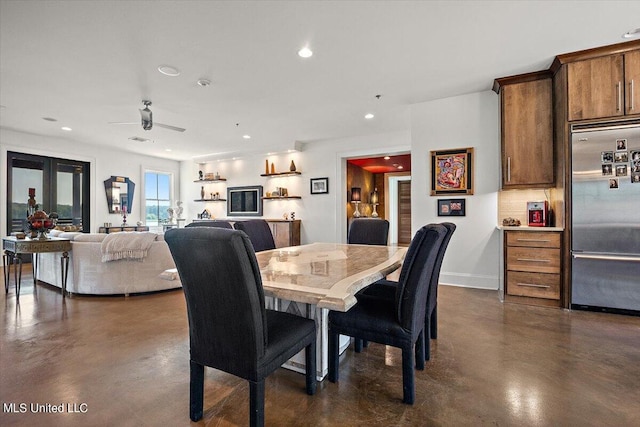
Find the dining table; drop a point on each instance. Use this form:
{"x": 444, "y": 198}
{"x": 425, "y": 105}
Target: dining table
{"x": 309, "y": 280}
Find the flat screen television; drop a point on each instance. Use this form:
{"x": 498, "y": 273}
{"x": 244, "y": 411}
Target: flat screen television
{"x": 244, "y": 201}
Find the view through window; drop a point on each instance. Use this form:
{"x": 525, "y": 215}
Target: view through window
{"x": 157, "y": 194}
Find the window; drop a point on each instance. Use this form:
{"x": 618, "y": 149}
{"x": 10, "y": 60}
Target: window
{"x": 61, "y": 186}
{"x": 157, "y": 195}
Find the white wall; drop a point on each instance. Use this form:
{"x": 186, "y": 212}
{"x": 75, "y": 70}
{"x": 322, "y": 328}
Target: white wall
{"x": 465, "y": 121}
{"x": 103, "y": 162}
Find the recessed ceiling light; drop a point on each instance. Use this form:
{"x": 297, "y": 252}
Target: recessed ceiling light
{"x": 168, "y": 70}
{"x": 400, "y": 167}
{"x": 368, "y": 116}
{"x": 168, "y": 149}
{"x": 204, "y": 82}
{"x": 631, "y": 34}
{"x": 305, "y": 52}
{"x": 246, "y": 136}
{"x": 387, "y": 157}
{"x": 67, "y": 128}
{"x": 50, "y": 119}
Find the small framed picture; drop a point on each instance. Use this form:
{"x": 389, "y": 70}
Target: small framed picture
{"x": 319, "y": 185}
{"x": 613, "y": 183}
{"x": 635, "y": 155}
{"x": 621, "y": 170}
{"x": 607, "y": 169}
{"x": 621, "y": 144}
{"x": 451, "y": 207}
{"x": 635, "y": 178}
{"x": 607, "y": 157}
{"x": 621, "y": 156}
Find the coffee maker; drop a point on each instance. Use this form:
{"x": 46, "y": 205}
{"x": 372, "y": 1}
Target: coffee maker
{"x": 538, "y": 214}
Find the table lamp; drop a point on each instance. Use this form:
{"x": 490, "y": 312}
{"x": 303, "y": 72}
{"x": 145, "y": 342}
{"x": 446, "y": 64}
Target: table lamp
{"x": 375, "y": 203}
{"x": 355, "y": 198}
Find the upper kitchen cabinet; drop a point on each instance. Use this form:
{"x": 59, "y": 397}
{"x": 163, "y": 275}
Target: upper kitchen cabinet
{"x": 526, "y": 113}
{"x": 602, "y": 82}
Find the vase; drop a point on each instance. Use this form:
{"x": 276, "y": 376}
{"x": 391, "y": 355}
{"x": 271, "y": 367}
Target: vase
{"x": 292, "y": 166}
{"x": 266, "y": 167}
{"x": 202, "y": 192}
{"x": 273, "y": 168}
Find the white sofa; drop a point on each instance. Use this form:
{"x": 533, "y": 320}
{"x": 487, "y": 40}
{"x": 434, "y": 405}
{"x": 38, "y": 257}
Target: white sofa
{"x": 88, "y": 274}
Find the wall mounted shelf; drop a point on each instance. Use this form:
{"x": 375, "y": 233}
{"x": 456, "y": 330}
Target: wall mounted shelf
{"x": 211, "y": 180}
{"x": 210, "y": 200}
{"x": 282, "y": 197}
{"x": 280, "y": 174}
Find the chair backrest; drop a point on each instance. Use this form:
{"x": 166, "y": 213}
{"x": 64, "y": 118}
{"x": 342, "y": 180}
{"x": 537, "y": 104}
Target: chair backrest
{"x": 432, "y": 297}
{"x": 417, "y": 269}
{"x": 225, "y": 299}
{"x": 369, "y": 231}
{"x": 259, "y": 233}
{"x": 214, "y": 223}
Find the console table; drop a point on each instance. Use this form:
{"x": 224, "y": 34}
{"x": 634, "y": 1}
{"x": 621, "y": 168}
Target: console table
{"x": 118, "y": 228}
{"x": 15, "y": 248}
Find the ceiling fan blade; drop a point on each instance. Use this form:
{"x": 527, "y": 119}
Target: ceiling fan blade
{"x": 123, "y": 123}
{"x": 169, "y": 127}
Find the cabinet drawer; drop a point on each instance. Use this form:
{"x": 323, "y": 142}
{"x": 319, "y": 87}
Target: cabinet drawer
{"x": 536, "y": 285}
{"x": 540, "y": 239}
{"x": 535, "y": 260}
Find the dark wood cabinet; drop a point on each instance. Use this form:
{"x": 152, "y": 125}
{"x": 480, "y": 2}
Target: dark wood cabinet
{"x": 526, "y": 116}
{"x": 603, "y": 87}
{"x": 116, "y": 229}
{"x": 285, "y": 232}
{"x": 532, "y": 267}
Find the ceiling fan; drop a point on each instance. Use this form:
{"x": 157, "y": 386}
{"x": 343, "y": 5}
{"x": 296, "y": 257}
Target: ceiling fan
{"x": 147, "y": 120}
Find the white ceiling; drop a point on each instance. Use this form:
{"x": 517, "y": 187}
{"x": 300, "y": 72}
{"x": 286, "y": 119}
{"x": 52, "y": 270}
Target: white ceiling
{"x": 87, "y": 63}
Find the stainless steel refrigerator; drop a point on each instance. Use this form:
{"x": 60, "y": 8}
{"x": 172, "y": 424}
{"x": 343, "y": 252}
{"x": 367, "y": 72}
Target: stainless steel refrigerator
{"x": 605, "y": 247}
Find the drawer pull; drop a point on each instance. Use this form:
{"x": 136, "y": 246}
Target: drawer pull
{"x": 534, "y": 240}
{"x": 533, "y": 260}
{"x": 533, "y": 285}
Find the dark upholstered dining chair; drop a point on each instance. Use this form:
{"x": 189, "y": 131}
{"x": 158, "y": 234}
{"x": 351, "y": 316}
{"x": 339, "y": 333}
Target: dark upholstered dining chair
{"x": 368, "y": 231}
{"x": 398, "y": 324}
{"x": 229, "y": 327}
{"x": 213, "y": 223}
{"x": 259, "y": 233}
{"x": 386, "y": 289}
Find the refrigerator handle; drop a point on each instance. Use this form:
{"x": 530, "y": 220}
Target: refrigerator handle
{"x": 607, "y": 257}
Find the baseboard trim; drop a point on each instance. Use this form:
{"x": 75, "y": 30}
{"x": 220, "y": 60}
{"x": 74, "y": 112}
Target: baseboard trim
{"x": 470, "y": 281}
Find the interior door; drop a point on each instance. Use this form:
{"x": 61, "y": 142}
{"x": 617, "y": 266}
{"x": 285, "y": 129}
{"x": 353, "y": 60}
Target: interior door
{"x": 404, "y": 212}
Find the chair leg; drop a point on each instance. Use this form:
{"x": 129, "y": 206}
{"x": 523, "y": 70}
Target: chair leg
{"x": 310, "y": 363}
{"x": 408, "y": 386}
{"x": 196, "y": 391}
{"x": 256, "y": 403}
{"x": 358, "y": 345}
{"x": 434, "y": 322}
{"x": 420, "y": 354}
{"x": 334, "y": 362}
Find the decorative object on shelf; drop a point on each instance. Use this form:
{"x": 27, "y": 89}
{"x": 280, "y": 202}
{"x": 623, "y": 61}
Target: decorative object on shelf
{"x": 40, "y": 223}
{"x": 32, "y": 206}
{"x": 200, "y": 175}
{"x": 179, "y": 210}
{"x": 216, "y": 176}
{"x": 202, "y": 192}
{"x": 292, "y": 166}
{"x": 452, "y": 171}
{"x": 356, "y": 199}
{"x": 209, "y": 176}
{"x": 375, "y": 202}
{"x": 170, "y": 212}
{"x": 266, "y": 167}
{"x": 451, "y": 207}
{"x": 124, "y": 216}
{"x": 319, "y": 185}
{"x": 139, "y": 223}
{"x": 285, "y": 216}
{"x": 273, "y": 168}
{"x": 292, "y": 216}
{"x": 511, "y": 222}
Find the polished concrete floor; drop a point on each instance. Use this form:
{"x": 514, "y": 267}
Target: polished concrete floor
{"x": 116, "y": 361}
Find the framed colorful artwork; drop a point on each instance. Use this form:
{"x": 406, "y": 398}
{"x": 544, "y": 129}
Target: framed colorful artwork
{"x": 452, "y": 171}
